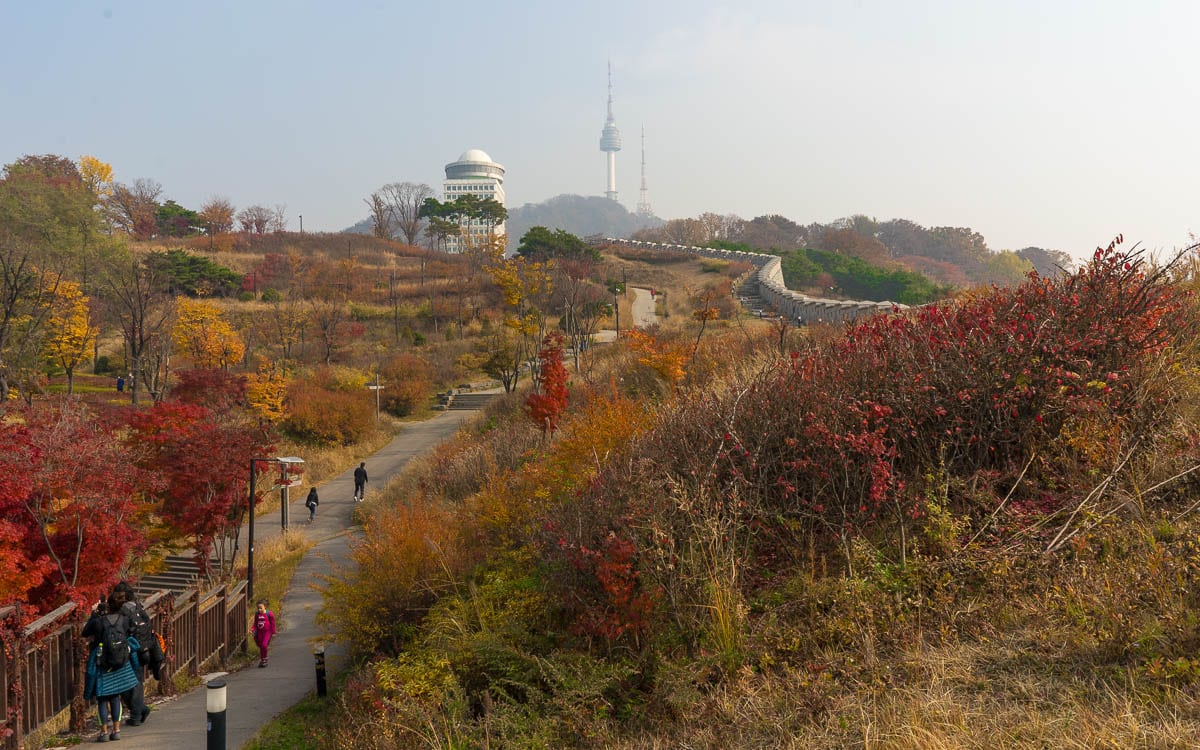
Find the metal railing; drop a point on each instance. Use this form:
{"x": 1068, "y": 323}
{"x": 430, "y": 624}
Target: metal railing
{"x": 42, "y": 664}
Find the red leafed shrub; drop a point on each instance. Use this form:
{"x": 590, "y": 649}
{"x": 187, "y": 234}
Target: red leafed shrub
{"x": 843, "y": 438}
{"x": 546, "y": 403}
{"x": 327, "y": 417}
{"x": 976, "y": 385}
{"x": 618, "y": 606}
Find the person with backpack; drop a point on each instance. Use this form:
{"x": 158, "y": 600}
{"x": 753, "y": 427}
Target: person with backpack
{"x": 311, "y": 502}
{"x": 148, "y": 654}
{"x": 360, "y": 482}
{"x": 111, "y": 664}
{"x": 262, "y": 630}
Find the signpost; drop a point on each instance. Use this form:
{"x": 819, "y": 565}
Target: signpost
{"x": 377, "y": 388}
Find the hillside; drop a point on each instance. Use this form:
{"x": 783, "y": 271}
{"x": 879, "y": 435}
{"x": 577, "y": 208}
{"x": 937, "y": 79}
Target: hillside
{"x": 966, "y": 527}
{"x": 580, "y": 215}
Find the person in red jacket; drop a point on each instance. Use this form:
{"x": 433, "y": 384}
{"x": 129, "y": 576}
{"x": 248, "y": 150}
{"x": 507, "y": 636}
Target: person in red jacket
{"x": 263, "y": 629}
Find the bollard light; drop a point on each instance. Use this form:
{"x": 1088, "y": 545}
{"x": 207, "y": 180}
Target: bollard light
{"x": 214, "y": 702}
{"x": 319, "y": 658}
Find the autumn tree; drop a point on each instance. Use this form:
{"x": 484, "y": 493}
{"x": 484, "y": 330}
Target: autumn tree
{"x": 547, "y": 401}
{"x": 202, "y": 332}
{"x": 70, "y": 331}
{"x": 77, "y": 499}
{"x": 97, "y": 177}
{"x": 133, "y": 208}
{"x": 256, "y": 219}
{"x": 46, "y": 217}
{"x": 217, "y": 215}
{"x": 219, "y": 391}
{"x": 201, "y": 459}
{"x": 266, "y": 392}
{"x": 524, "y": 290}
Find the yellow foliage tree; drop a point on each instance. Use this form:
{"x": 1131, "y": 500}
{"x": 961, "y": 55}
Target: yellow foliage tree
{"x": 523, "y": 285}
{"x": 69, "y": 330}
{"x": 266, "y": 391}
{"x": 97, "y": 176}
{"x": 202, "y": 332}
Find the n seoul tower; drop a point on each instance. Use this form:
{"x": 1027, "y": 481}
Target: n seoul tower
{"x": 610, "y": 143}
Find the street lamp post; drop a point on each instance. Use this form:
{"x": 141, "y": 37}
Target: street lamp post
{"x": 284, "y": 462}
{"x": 301, "y": 223}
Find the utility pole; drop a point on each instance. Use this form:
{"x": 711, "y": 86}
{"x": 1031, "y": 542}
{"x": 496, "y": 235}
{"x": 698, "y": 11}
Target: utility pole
{"x": 395, "y": 305}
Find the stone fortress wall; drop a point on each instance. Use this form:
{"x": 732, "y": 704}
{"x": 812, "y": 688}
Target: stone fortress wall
{"x": 768, "y": 274}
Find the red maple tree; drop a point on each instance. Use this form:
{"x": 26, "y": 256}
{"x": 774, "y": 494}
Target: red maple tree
{"x": 547, "y": 402}
{"x": 70, "y": 504}
{"x": 202, "y": 461}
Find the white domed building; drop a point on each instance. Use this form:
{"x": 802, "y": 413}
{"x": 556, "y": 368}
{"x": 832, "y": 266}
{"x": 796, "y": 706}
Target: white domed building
{"x": 473, "y": 174}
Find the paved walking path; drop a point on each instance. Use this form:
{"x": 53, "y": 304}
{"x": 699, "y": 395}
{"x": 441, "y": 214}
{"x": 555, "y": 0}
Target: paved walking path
{"x": 255, "y": 696}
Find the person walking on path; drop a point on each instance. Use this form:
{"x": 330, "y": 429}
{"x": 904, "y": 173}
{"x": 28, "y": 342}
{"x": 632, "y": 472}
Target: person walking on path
{"x": 360, "y": 482}
{"x": 111, "y": 665}
{"x": 311, "y": 502}
{"x": 140, "y": 628}
{"x": 264, "y": 628}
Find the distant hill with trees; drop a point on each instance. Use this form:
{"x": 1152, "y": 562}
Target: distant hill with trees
{"x": 581, "y": 215}
{"x": 954, "y": 256}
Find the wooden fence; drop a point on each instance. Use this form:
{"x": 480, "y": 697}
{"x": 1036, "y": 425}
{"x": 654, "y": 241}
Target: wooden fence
{"x": 42, "y": 664}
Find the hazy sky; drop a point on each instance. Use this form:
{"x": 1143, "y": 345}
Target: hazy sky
{"x": 1044, "y": 122}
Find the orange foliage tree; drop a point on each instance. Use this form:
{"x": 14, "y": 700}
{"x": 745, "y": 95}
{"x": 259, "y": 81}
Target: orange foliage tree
{"x": 663, "y": 357}
{"x": 545, "y": 404}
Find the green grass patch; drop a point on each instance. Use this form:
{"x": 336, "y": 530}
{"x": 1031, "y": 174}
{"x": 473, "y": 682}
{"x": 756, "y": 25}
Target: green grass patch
{"x": 308, "y": 725}
{"x": 275, "y": 564}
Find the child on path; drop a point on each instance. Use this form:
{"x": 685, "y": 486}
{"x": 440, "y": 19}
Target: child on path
{"x": 263, "y": 629}
{"x": 311, "y": 502}
{"x": 360, "y": 482}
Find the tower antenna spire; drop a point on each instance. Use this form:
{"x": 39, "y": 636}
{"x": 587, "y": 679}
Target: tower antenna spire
{"x": 643, "y": 206}
{"x": 610, "y": 142}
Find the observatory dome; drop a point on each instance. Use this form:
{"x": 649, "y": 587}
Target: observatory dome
{"x": 475, "y": 154}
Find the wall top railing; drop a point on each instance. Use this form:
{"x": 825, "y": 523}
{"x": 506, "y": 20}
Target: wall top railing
{"x": 794, "y": 306}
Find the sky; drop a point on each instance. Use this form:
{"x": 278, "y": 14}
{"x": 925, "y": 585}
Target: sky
{"x": 1052, "y": 123}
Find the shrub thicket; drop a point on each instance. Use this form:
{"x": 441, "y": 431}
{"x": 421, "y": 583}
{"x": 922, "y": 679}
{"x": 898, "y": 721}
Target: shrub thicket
{"x": 324, "y": 416}
{"x": 1000, "y": 480}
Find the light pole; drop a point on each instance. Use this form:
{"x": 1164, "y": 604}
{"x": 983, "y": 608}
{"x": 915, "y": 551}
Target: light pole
{"x": 301, "y": 223}
{"x": 284, "y": 462}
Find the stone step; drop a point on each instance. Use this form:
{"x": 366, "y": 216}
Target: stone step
{"x": 470, "y": 401}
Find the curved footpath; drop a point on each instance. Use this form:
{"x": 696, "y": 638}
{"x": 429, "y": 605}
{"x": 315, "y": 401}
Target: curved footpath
{"x": 255, "y": 696}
